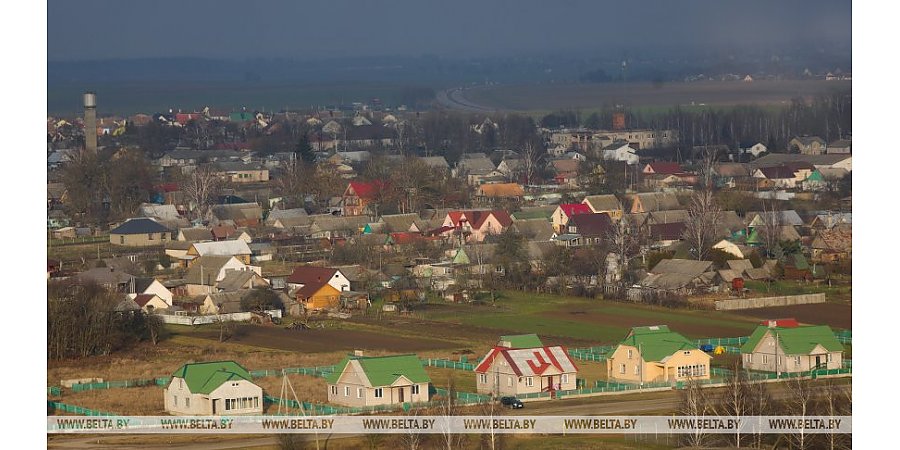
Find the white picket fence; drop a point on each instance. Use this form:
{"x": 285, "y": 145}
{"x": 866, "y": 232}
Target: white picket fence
{"x": 214, "y": 318}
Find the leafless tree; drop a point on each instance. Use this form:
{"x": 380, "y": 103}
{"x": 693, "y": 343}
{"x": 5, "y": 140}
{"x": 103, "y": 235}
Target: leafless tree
{"x": 770, "y": 226}
{"x": 623, "y": 242}
{"x": 702, "y": 227}
{"x": 226, "y": 327}
{"x": 799, "y": 402}
{"x": 759, "y": 404}
{"x": 736, "y": 400}
{"x": 531, "y": 155}
{"x": 448, "y": 408}
{"x": 201, "y": 188}
{"x": 412, "y": 439}
{"x": 836, "y": 401}
{"x": 708, "y": 159}
{"x": 293, "y": 183}
{"x": 695, "y": 402}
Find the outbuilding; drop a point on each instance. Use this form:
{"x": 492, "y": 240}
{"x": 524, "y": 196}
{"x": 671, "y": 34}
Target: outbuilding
{"x": 211, "y": 389}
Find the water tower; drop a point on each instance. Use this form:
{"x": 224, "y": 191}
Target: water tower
{"x": 90, "y": 122}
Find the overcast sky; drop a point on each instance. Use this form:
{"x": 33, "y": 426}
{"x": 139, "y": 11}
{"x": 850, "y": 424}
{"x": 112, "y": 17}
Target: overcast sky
{"x": 300, "y": 29}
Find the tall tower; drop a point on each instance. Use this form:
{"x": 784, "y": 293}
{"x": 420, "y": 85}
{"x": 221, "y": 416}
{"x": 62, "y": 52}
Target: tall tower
{"x": 90, "y": 122}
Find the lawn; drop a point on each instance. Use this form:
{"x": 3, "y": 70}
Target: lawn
{"x": 840, "y": 292}
{"x": 586, "y": 320}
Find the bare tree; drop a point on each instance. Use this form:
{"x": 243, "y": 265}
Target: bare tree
{"x": 201, "y": 188}
{"x": 695, "y": 402}
{"x": 770, "y": 227}
{"x": 759, "y": 404}
{"x": 412, "y": 439}
{"x": 531, "y": 156}
{"x": 836, "y": 401}
{"x": 448, "y": 408}
{"x": 799, "y": 402}
{"x": 736, "y": 400}
{"x": 702, "y": 227}
{"x": 623, "y": 243}
{"x": 707, "y": 163}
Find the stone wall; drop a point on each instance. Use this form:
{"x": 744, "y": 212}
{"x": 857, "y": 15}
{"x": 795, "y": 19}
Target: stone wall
{"x": 766, "y": 302}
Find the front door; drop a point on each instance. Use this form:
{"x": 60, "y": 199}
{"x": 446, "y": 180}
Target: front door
{"x": 401, "y": 396}
{"x": 818, "y": 361}
{"x": 215, "y": 406}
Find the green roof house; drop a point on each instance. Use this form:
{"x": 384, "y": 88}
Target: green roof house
{"x": 792, "y": 349}
{"x": 213, "y": 388}
{"x": 656, "y": 354}
{"x": 383, "y": 380}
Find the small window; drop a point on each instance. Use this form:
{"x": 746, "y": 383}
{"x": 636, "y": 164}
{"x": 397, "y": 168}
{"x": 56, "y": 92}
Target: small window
{"x": 379, "y": 393}
{"x": 333, "y": 390}
{"x": 765, "y": 359}
{"x": 630, "y": 354}
{"x": 509, "y": 381}
{"x": 149, "y": 236}
{"x": 346, "y": 391}
{"x": 529, "y": 381}
{"x": 828, "y": 358}
{"x": 181, "y": 383}
{"x": 687, "y": 352}
{"x": 415, "y": 389}
{"x": 484, "y": 378}
{"x": 564, "y": 379}
{"x": 796, "y": 360}
{"x": 621, "y": 368}
{"x": 187, "y": 402}
{"x": 359, "y": 393}
{"x": 637, "y": 369}
{"x": 122, "y": 240}
{"x": 174, "y": 400}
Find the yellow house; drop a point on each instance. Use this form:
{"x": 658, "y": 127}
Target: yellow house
{"x": 318, "y": 295}
{"x": 654, "y": 354}
{"x": 140, "y": 232}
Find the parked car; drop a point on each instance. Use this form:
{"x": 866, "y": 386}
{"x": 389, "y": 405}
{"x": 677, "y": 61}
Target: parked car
{"x": 512, "y": 402}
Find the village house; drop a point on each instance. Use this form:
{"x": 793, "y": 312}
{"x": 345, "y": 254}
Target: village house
{"x": 303, "y": 275}
{"x": 213, "y": 389}
{"x": 237, "y": 248}
{"x": 653, "y": 201}
{"x": 358, "y": 195}
{"x": 315, "y": 296}
{"x": 140, "y": 232}
{"x": 207, "y": 272}
{"x": 152, "y": 286}
{"x": 785, "y": 346}
{"x": 383, "y": 380}
{"x": 110, "y": 278}
{"x": 807, "y": 145}
{"x": 150, "y": 302}
{"x": 655, "y": 354}
{"x": 522, "y": 364}
{"x": 499, "y": 193}
{"x": 221, "y": 302}
{"x": 607, "y": 203}
{"x": 834, "y": 244}
{"x": 679, "y": 276}
{"x": 593, "y": 229}
{"x": 753, "y": 148}
{"x": 476, "y": 225}
{"x": 477, "y": 169}
{"x": 840, "y": 146}
{"x": 194, "y": 234}
{"x": 565, "y": 212}
{"x": 620, "y": 151}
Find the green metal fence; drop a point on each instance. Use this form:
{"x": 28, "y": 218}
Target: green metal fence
{"x": 317, "y": 371}
{"x": 59, "y": 406}
{"x": 844, "y": 336}
{"x": 597, "y": 353}
{"x": 81, "y": 387}
{"x": 447, "y": 364}
{"x": 730, "y": 341}
{"x": 54, "y": 391}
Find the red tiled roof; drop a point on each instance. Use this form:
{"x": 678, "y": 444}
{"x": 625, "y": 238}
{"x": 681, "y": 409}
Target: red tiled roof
{"x": 367, "y": 190}
{"x": 408, "y": 237}
{"x": 663, "y": 168}
{"x": 592, "y": 224}
{"x": 223, "y": 231}
{"x": 782, "y": 323}
{"x": 571, "y": 209}
{"x": 142, "y": 299}
{"x": 477, "y": 218}
{"x": 777, "y": 172}
{"x": 310, "y": 274}
{"x": 310, "y": 289}
{"x": 542, "y": 360}
{"x": 667, "y": 231}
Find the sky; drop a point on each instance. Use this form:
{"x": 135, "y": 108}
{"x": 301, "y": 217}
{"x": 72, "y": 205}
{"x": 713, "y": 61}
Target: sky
{"x": 300, "y": 29}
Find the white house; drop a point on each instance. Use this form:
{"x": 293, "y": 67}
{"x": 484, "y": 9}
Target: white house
{"x": 384, "y": 380}
{"x": 213, "y": 389}
{"x": 523, "y": 365}
{"x": 620, "y": 152}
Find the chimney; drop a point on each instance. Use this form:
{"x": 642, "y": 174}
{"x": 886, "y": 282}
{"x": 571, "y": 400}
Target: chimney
{"x": 90, "y": 122}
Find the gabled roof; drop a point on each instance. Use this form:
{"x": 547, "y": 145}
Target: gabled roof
{"x": 534, "y": 229}
{"x": 209, "y": 266}
{"x": 222, "y": 248}
{"x": 673, "y": 231}
{"x": 656, "y": 201}
{"x": 400, "y": 222}
{"x": 527, "y": 362}
{"x": 739, "y": 265}
{"x": 594, "y": 225}
{"x": 777, "y": 172}
{"x": 681, "y": 266}
{"x": 203, "y": 378}
{"x": 572, "y": 209}
{"x": 435, "y": 162}
{"x": 796, "y": 340}
{"x": 383, "y": 370}
{"x": 236, "y": 279}
{"x": 366, "y": 190}
{"x": 504, "y": 190}
{"x": 477, "y": 218}
{"x": 656, "y": 343}
{"x": 599, "y": 203}
{"x": 140, "y": 225}
{"x": 143, "y": 299}
{"x": 311, "y": 274}
{"x": 196, "y": 234}
{"x": 663, "y": 168}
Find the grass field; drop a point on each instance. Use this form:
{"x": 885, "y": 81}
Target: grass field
{"x": 646, "y": 95}
{"x": 563, "y": 319}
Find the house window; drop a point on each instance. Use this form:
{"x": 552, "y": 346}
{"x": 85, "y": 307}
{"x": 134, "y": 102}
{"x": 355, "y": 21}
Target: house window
{"x": 174, "y": 400}
{"x": 529, "y": 381}
{"x": 256, "y": 402}
{"x": 379, "y": 393}
{"x": 333, "y": 390}
{"x": 181, "y": 383}
{"x": 227, "y": 404}
{"x": 564, "y": 378}
{"x": 415, "y": 389}
{"x": 765, "y": 359}
{"x": 509, "y": 381}
{"x": 621, "y": 368}
{"x": 637, "y": 369}
{"x": 687, "y": 353}
{"x": 630, "y": 354}
{"x": 359, "y": 393}
{"x": 122, "y": 240}
{"x": 796, "y": 360}
{"x": 828, "y": 357}
{"x": 187, "y": 402}
{"x": 346, "y": 391}
{"x": 149, "y": 236}
{"x": 484, "y": 378}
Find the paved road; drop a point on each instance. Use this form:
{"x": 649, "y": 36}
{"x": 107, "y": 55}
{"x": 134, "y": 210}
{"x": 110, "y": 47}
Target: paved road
{"x": 455, "y": 99}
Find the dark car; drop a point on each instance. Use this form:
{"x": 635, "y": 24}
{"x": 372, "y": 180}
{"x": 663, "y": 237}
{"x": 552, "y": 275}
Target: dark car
{"x": 511, "y": 402}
